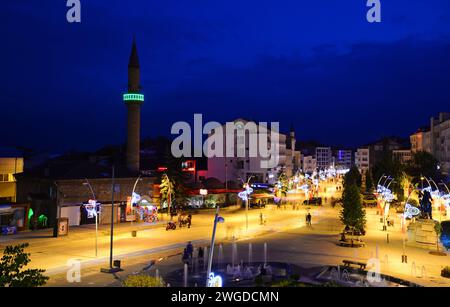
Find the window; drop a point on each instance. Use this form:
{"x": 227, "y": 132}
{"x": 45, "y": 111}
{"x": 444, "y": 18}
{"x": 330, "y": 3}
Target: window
{"x": 4, "y": 177}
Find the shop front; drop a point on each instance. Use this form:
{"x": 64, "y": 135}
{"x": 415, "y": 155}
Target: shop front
{"x": 141, "y": 209}
{"x": 14, "y": 218}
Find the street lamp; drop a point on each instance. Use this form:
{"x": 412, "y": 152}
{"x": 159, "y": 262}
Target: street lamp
{"x": 217, "y": 219}
{"x": 244, "y": 195}
{"x": 203, "y": 193}
{"x": 380, "y": 180}
{"x": 94, "y": 203}
{"x": 132, "y": 196}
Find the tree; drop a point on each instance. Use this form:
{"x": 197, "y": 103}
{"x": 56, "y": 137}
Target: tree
{"x": 283, "y": 183}
{"x": 11, "y": 269}
{"x": 166, "y": 189}
{"x": 369, "y": 182}
{"x": 353, "y": 177}
{"x": 143, "y": 281}
{"x": 353, "y": 214}
{"x": 423, "y": 164}
{"x": 176, "y": 176}
{"x": 392, "y": 167}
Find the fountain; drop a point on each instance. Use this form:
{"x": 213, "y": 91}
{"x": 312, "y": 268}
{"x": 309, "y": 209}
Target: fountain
{"x": 220, "y": 257}
{"x": 424, "y": 273}
{"x": 413, "y": 269}
{"x": 265, "y": 254}
{"x": 186, "y": 268}
{"x": 250, "y": 254}
{"x": 376, "y": 252}
{"x": 157, "y": 274}
{"x": 234, "y": 254}
{"x": 205, "y": 262}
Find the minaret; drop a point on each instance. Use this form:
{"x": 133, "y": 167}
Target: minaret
{"x": 292, "y": 138}
{"x": 133, "y": 100}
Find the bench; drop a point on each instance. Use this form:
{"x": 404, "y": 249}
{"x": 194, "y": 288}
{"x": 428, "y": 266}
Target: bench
{"x": 348, "y": 263}
{"x": 351, "y": 243}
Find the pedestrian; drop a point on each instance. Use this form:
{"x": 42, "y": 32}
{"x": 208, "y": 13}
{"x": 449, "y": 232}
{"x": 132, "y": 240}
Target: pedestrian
{"x": 308, "y": 219}
{"x": 190, "y": 249}
{"x": 200, "y": 255}
{"x": 185, "y": 257}
{"x": 189, "y": 220}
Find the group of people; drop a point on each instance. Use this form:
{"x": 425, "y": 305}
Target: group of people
{"x": 188, "y": 254}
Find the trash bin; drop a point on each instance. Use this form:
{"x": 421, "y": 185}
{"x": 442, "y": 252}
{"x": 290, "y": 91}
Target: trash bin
{"x": 116, "y": 263}
{"x": 133, "y": 233}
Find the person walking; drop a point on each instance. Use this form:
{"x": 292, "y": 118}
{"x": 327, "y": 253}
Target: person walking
{"x": 308, "y": 219}
{"x": 185, "y": 257}
{"x": 200, "y": 255}
{"x": 189, "y": 249}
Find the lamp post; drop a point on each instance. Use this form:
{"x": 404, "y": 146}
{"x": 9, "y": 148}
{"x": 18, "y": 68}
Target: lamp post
{"x": 247, "y": 186}
{"x": 203, "y": 193}
{"x": 380, "y": 180}
{"x": 112, "y": 221}
{"x": 132, "y": 195}
{"x": 217, "y": 219}
{"x": 86, "y": 183}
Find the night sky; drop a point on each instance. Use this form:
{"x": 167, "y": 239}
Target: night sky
{"x": 317, "y": 64}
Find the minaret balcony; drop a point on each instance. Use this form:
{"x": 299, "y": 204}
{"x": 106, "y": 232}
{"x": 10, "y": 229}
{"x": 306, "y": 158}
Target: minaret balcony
{"x": 133, "y": 97}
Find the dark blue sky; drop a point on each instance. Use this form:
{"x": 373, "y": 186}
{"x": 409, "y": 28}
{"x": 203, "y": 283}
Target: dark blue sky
{"x": 317, "y": 64}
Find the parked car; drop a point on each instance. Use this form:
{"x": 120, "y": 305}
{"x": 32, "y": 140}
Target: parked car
{"x": 369, "y": 200}
{"x": 313, "y": 201}
{"x": 254, "y": 205}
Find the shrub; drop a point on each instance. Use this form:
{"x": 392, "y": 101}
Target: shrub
{"x": 142, "y": 281}
{"x": 446, "y": 272}
{"x": 11, "y": 269}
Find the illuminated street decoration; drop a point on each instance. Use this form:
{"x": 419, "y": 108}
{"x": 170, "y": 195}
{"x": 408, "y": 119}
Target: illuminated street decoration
{"x": 446, "y": 199}
{"x": 244, "y": 194}
{"x": 91, "y": 208}
{"x": 385, "y": 193}
{"x": 411, "y": 211}
{"x": 135, "y": 198}
{"x": 214, "y": 281}
{"x": 133, "y": 97}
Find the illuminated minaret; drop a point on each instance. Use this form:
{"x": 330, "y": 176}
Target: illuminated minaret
{"x": 133, "y": 100}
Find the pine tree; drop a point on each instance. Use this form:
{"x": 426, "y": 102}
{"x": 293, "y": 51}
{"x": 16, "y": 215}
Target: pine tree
{"x": 369, "y": 182}
{"x": 353, "y": 214}
{"x": 353, "y": 177}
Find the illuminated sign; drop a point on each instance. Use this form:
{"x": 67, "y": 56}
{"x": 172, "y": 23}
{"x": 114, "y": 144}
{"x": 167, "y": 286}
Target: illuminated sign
{"x": 133, "y": 97}
{"x": 214, "y": 281}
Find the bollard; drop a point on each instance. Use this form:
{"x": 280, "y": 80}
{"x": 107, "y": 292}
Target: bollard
{"x": 387, "y": 238}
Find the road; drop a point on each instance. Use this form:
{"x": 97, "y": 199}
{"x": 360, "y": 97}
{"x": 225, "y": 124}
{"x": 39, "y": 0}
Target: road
{"x": 300, "y": 245}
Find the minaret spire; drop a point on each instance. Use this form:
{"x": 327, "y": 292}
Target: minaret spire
{"x": 133, "y": 100}
{"x": 134, "y": 78}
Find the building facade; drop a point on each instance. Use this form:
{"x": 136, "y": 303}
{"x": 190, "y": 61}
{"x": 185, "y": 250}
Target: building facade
{"x": 243, "y": 164}
{"x": 309, "y": 164}
{"x": 344, "y": 159}
{"x": 440, "y": 140}
{"x": 421, "y": 141}
{"x": 9, "y": 166}
{"x": 402, "y": 155}
{"x": 324, "y": 157}
{"x": 362, "y": 160}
